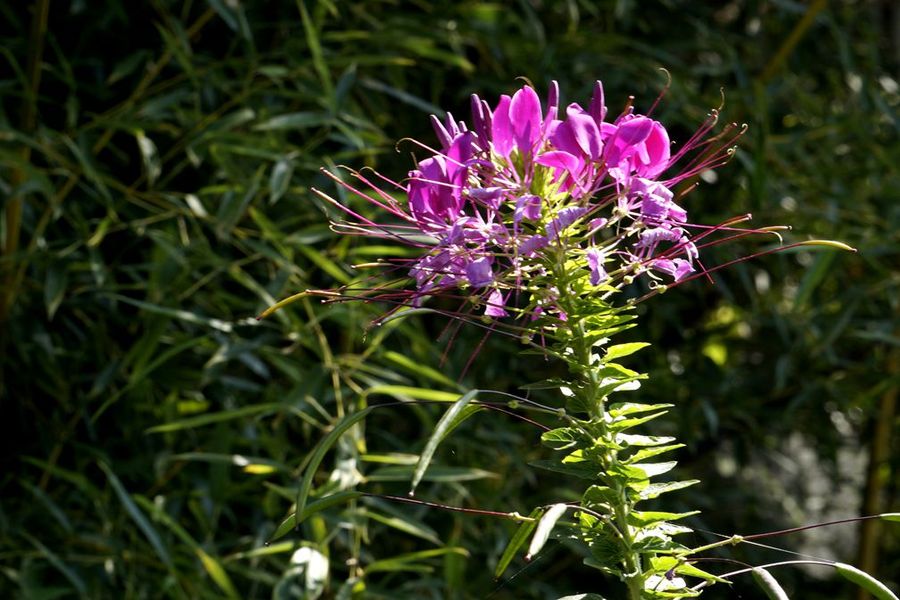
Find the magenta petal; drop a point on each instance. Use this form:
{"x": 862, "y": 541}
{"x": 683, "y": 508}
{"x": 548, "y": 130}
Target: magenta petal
{"x": 657, "y": 152}
{"x": 585, "y": 132}
{"x": 479, "y": 273}
{"x": 634, "y": 131}
{"x": 525, "y": 116}
{"x": 501, "y": 128}
{"x": 595, "y": 263}
{"x": 597, "y": 108}
{"x": 495, "y": 304}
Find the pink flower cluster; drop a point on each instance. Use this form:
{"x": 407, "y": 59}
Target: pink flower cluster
{"x": 497, "y": 199}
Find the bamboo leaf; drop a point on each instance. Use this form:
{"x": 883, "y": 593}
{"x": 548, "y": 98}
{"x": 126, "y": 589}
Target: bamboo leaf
{"x": 455, "y": 415}
{"x": 518, "y": 538}
{"x": 137, "y": 516}
{"x": 312, "y": 508}
{"x": 318, "y": 454}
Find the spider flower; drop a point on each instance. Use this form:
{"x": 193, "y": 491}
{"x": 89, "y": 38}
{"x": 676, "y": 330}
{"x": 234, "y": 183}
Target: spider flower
{"x": 497, "y": 204}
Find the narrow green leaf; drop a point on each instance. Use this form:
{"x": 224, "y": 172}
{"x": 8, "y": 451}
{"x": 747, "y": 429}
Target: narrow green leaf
{"x": 280, "y": 179}
{"x": 212, "y": 566}
{"x": 216, "y": 417}
{"x": 403, "y": 392}
{"x": 54, "y": 288}
{"x": 318, "y": 454}
{"x": 451, "y": 419}
{"x": 59, "y": 564}
{"x": 522, "y": 533}
{"x": 865, "y": 581}
{"x": 544, "y": 527}
{"x": 769, "y": 584}
{"x": 312, "y": 508}
{"x": 437, "y": 473}
{"x": 890, "y": 517}
{"x": 149, "y": 156}
{"x": 404, "y": 562}
{"x": 297, "y": 120}
{"x": 137, "y": 516}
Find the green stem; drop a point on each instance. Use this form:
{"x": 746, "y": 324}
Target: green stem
{"x": 591, "y": 378}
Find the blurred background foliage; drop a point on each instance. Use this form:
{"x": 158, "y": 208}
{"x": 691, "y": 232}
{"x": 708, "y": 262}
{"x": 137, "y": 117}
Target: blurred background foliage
{"x": 156, "y": 165}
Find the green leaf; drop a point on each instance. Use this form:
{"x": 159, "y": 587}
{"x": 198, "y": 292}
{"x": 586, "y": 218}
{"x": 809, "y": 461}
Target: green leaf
{"x": 280, "y": 179}
{"x": 212, "y": 566}
{"x": 54, "y": 288}
{"x": 318, "y": 454}
{"x": 621, "y": 409}
{"x": 439, "y": 473}
{"x": 137, "y": 516}
{"x": 562, "y": 438}
{"x": 455, "y": 415}
{"x": 584, "y": 470}
{"x": 216, "y": 417}
{"x": 297, "y": 120}
{"x": 895, "y": 517}
{"x": 403, "y": 392}
{"x": 657, "y": 489}
{"x": 648, "y": 518}
{"x": 626, "y": 440}
{"x": 646, "y": 453}
{"x": 403, "y": 562}
{"x": 149, "y": 156}
{"x": 543, "y": 529}
{"x": 518, "y": 538}
{"x": 865, "y": 581}
{"x": 621, "y": 350}
{"x": 769, "y": 584}
{"x": 312, "y": 508}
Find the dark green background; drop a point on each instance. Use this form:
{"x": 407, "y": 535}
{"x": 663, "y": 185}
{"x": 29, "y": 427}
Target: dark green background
{"x": 155, "y": 165}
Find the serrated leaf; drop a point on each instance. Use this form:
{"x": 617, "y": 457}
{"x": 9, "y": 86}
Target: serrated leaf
{"x": 865, "y": 581}
{"x": 655, "y": 490}
{"x": 769, "y": 584}
{"x": 562, "y": 438}
{"x": 518, "y": 538}
{"x": 646, "y": 453}
{"x": 451, "y": 419}
{"x": 642, "y": 518}
{"x": 543, "y": 529}
{"x": 654, "y": 469}
{"x": 622, "y": 350}
{"x": 624, "y": 424}
{"x": 621, "y": 409}
{"x": 583, "y": 470}
{"x": 627, "y": 439}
